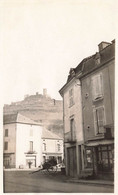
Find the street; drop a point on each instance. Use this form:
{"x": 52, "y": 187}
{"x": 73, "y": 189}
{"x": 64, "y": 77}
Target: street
{"x": 23, "y": 181}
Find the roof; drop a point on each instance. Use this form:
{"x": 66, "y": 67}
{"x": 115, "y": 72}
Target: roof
{"x": 88, "y": 64}
{"x": 46, "y": 134}
{"x": 78, "y": 69}
{"x": 18, "y": 118}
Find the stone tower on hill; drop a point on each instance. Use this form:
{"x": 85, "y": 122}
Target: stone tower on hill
{"x": 40, "y": 108}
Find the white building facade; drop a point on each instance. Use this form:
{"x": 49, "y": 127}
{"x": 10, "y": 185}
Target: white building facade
{"x": 22, "y": 142}
{"x": 73, "y": 129}
{"x": 52, "y": 146}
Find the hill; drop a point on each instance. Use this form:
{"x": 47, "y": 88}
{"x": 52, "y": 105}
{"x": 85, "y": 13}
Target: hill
{"x": 40, "y": 108}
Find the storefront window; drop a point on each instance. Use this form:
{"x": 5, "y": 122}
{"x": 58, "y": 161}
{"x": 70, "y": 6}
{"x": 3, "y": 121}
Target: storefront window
{"x": 88, "y": 158}
{"x": 105, "y": 158}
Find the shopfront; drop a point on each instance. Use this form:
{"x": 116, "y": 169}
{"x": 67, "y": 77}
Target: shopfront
{"x": 99, "y": 156}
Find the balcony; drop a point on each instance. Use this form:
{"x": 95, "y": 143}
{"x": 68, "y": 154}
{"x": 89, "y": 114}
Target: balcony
{"x": 31, "y": 152}
{"x": 70, "y": 137}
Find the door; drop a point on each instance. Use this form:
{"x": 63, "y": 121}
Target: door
{"x": 72, "y": 161}
{"x": 31, "y": 161}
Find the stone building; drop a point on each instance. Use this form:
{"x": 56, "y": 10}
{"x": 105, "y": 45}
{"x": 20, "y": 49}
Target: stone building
{"x": 73, "y": 129}
{"x": 89, "y": 112}
{"x": 97, "y": 82}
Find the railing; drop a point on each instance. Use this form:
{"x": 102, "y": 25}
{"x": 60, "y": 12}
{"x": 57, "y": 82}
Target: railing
{"x": 31, "y": 152}
{"x": 70, "y": 137}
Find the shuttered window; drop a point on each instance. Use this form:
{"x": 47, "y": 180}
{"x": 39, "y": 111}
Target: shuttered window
{"x": 6, "y": 146}
{"x": 97, "y": 91}
{"x": 44, "y": 146}
{"x": 31, "y": 146}
{"x": 58, "y": 147}
{"x": 99, "y": 120}
{"x": 6, "y": 132}
{"x": 72, "y": 129}
{"x": 71, "y": 97}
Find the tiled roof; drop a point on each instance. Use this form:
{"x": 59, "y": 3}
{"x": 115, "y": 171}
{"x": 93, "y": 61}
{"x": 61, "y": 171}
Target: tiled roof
{"x": 18, "y": 118}
{"x": 105, "y": 55}
{"x": 46, "y": 134}
{"x": 9, "y": 118}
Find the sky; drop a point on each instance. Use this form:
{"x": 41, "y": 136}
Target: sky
{"x": 41, "y": 41}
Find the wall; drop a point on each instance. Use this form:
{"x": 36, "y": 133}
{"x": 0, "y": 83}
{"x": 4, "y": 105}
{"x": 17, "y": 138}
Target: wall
{"x": 108, "y": 99}
{"x": 22, "y": 143}
{"x": 75, "y": 110}
{"x": 51, "y": 145}
{"x": 11, "y": 139}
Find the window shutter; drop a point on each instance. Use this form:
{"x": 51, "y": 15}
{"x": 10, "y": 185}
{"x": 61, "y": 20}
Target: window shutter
{"x": 71, "y": 97}
{"x": 100, "y": 113}
{"x": 72, "y": 128}
{"x": 94, "y": 87}
{"x": 95, "y": 121}
{"x": 97, "y": 86}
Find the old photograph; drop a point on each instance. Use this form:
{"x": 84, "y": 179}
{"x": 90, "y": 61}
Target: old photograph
{"x": 58, "y": 96}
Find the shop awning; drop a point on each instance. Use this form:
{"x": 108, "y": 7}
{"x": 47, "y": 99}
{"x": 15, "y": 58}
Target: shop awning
{"x": 99, "y": 142}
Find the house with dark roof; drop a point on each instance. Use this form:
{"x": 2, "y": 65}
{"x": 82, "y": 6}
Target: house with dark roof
{"x": 73, "y": 129}
{"x": 89, "y": 112}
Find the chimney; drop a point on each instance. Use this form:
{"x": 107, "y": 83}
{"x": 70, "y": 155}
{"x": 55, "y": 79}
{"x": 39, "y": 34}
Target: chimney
{"x": 102, "y": 45}
{"x": 45, "y": 92}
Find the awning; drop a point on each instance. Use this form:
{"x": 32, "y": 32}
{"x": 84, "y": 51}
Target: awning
{"x": 99, "y": 142}
{"x": 52, "y": 154}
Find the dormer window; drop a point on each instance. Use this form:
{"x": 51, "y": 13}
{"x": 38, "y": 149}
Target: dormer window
{"x": 72, "y": 72}
{"x": 97, "y": 59}
{"x": 97, "y": 87}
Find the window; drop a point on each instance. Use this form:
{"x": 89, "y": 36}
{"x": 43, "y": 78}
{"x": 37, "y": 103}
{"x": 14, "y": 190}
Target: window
{"x": 6, "y": 132}
{"x": 58, "y": 147}
{"x": 89, "y": 158}
{"x": 72, "y": 129}
{"x": 105, "y": 158}
{"x": 97, "y": 61}
{"x": 31, "y": 146}
{"x": 44, "y": 146}
{"x": 6, "y": 146}
{"x": 97, "y": 58}
{"x": 31, "y": 132}
{"x": 97, "y": 91}
{"x": 71, "y": 97}
{"x": 99, "y": 120}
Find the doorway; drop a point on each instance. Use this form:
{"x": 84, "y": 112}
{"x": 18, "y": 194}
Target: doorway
{"x": 72, "y": 161}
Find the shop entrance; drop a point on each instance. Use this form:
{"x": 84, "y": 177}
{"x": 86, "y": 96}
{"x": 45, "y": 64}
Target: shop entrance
{"x": 31, "y": 161}
{"x": 105, "y": 158}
